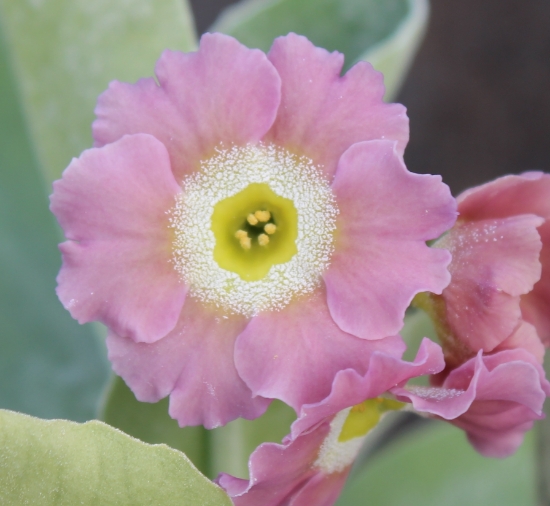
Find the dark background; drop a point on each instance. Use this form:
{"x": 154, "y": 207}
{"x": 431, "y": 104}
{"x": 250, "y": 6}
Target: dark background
{"x": 478, "y": 93}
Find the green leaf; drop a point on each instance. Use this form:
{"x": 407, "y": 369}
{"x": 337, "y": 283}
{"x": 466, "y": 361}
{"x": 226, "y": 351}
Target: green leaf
{"x": 65, "y": 52}
{"x": 49, "y": 365}
{"x": 150, "y": 423}
{"x": 223, "y": 449}
{"x": 63, "y": 463}
{"x": 385, "y": 32}
{"x": 435, "y": 466}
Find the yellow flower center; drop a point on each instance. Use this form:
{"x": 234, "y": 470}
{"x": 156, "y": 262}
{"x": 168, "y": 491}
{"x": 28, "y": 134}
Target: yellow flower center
{"x": 254, "y": 230}
{"x": 363, "y": 417}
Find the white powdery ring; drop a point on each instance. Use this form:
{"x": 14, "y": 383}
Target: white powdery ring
{"x": 229, "y": 172}
{"x": 334, "y": 455}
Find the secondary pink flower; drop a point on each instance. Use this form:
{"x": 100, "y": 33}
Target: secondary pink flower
{"x": 507, "y": 198}
{"x": 496, "y": 245}
{"x": 312, "y": 464}
{"x": 246, "y": 227}
{"x": 494, "y": 398}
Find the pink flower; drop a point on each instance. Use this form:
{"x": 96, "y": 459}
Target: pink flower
{"x": 246, "y": 227}
{"x": 496, "y": 245}
{"x": 513, "y": 198}
{"x": 312, "y": 464}
{"x": 490, "y": 316}
{"x": 494, "y": 398}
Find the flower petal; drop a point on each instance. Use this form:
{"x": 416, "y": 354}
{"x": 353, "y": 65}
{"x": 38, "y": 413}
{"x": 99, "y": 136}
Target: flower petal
{"x": 276, "y": 470}
{"x": 293, "y": 354}
{"x": 194, "y": 365}
{"x": 223, "y": 93}
{"x": 381, "y": 260}
{"x": 535, "y": 304}
{"x": 383, "y": 373}
{"x": 494, "y": 398}
{"x": 112, "y": 204}
{"x": 528, "y": 193}
{"x": 322, "y": 114}
{"x": 494, "y": 262}
{"x": 291, "y": 473}
{"x": 321, "y": 489}
{"x": 526, "y": 337}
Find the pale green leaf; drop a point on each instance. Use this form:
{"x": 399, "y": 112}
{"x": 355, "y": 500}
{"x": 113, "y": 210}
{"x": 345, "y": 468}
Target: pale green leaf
{"x": 62, "y": 463}
{"x": 150, "y": 423}
{"x": 223, "y": 449}
{"x": 65, "y": 52}
{"x": 384, "y": 32}
{"x": 435, "y": 466}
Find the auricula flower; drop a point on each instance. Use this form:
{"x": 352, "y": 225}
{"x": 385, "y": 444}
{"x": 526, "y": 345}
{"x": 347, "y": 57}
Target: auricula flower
{"x": 500, "y": 279}
{"x": 312, "y": 463}
{"x": 245, "y": 227}
{"x": 493, "y": 318}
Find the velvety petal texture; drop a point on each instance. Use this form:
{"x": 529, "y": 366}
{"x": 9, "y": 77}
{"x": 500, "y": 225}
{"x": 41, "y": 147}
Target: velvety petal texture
{"x": 321, "y": 113}
{"x": 223, "y": 93}
{"x": 494, "y": 398}
{"x": 293, "y": 354}
{"x": 297, "y": 473}
{"x": 116, "y": 264}
{"x": 194, "y": 365}
{"x": 381, "y": 259}
{"x": 495, "y": 261}
{"x": 510, "y": 196}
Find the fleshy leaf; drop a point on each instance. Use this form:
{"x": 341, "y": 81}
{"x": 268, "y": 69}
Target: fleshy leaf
{"x": 223, "y": 449}
{"x": 65, "y": 52}
{"x": 61, "y": 463}
{"x": 49, "y": 365}
{"x": 150, "y": 423}
{"x": 386, "y": 34}
{"x": 434, "y": 465}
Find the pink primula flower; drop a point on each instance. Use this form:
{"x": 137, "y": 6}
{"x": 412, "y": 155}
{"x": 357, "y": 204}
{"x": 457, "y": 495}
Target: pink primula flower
{"x": 494, "y": 398}
{"x": 312, "y": 464}
{"x": 246, "y": 227}
{"x": 494, "y": 313}
{"x": 517, "y": 199}
{"x": 498, "y": 288}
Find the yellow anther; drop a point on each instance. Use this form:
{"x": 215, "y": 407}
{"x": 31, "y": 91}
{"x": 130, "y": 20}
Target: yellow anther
{"x": 263, "y": 240}
{"x": 252, "y": 219}
{"x": 270, "y": 228}
{"x": 246, "y": 243}
{"x": 244, "y": 240}
{"x": 262, "y": 215}
{"x": 358, "y": 408}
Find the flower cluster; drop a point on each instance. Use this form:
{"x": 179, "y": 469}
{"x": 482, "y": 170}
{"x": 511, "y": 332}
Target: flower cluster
{"x": 247, "y": 230}
{"x": 493, "y": 318}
